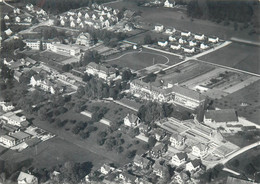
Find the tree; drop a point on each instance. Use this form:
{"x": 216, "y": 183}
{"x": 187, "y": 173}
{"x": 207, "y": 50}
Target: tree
{"x": 66, "y": 68}
{"x": 131, "y": 154}
{"x": 148, "y": 39}
{"x": 126, "y": 75}
{"x": 41, "y": 46}
{"x": 90, "y": 56}
{"x": 151, "y": 141}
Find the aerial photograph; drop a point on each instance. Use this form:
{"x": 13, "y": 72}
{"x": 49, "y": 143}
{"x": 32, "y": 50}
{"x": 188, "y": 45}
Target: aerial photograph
{"x": 130, "y": 92}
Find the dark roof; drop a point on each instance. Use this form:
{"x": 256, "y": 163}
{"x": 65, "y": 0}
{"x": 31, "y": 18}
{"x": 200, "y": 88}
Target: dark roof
{"x": 101, "y": 67}
{"x": 132, "y": 118}
{"x": 232, "y": 180}
{"x": 182, "y": 155}
{"x": 196, "y": 163}
{"x": 223, "y": 115}
{"x": 33, "y": 141}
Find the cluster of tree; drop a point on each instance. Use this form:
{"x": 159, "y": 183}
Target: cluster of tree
{"x": 153, "y": 111}
{"x": 240, "y": 11}
{"x": 9, "y": 47}
{"x": 127, "y": 75}
{"x": 60, "y": 6}
{"x": 151, "y": 77}
{"x": 90, "y": 56}
{"x": 48, "y": 32}
{"x": 149, "y": 40}
{"x": 6, "y": 73}
{"x": 84, "y": 129}
{"x": 98, "y": 113}
{"x": 67, "y": 67}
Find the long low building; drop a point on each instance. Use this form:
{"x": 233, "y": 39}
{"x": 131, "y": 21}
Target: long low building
{"x": 172, "y": 94}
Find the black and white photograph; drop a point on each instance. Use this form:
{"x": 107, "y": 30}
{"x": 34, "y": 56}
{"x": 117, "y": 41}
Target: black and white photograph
{"x": 130, "y": 92}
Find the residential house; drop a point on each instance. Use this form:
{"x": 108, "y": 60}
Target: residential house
{"x": 167, "y": 4}
{"x": 107, "y": 23}
{"x": 82, "y": 25}
{"x": 172, "y": 39}
{"x": 189, "y": 50}
{"x": 115, "y": 11}
{"x": 128, "y": 27}
{"x": 78, "y": 20}
{"x": 192, "y": 44}
{"x": 159, "y": 134}
{"x": 106, "y": 169}
{"x": 25, "y": 178}
{"x": 6, "y": 18}
{"x": 193, "y": 165}
{"x": 13, "y": 119}
{"x": 175, "y": 47}
{"x": 28, "y": 19}
{"x": 6, "y": 106}
{"x": 101, "y": 18}
{"x": 101, "y": 71}
{"x": 221, "y": 117}
{"x": 177, "y": 140}
{"x": 17, "y": 19}
{"x": 17, "y": 11}
{"x": 159, "y": 28}
{"x": 186, "y": 34}
{"x": 163, "y": 44}
{"x": 29, "y": 7}
{"x": 62, "y": 22}
{"x": 213, "y": 40}
{"x": 170, "y": 31}
{"x": 142, "y": 162}
{"x": 71, "y": 18}
{"x": 158, "y": 150}
{"x": 109, "y": 15}
{"x": 182, "y": 177}
{"x": 132, "y": 120}
{"x": 86, "y": 15}
{"x": 7, "y": 140}
{"x": 94, "y": 17}
{"x": 233, "y": 180}
{"x": 127, "y": 178}
{"x": 79, "y": 14}
{"x": 199, "y": 37}
{"x": 199, "y": 149}
{"x": 182, "y": 41}
{"x": 204, "y": 46}
{"x": 143, "y": 128}
{"x": 83, "y": 39}
{"x": 72, "y": 24}
{"x": 179, "y": 158}
{"x": 158, "y": 169}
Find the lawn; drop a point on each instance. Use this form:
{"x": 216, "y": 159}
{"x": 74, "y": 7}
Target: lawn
{"x": 138, "y": 60}
{"x": 236, "y": 55}
{"x": 245, "y": 101}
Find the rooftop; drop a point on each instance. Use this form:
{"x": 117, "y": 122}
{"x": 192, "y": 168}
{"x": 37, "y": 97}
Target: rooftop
{"x": 222, "y": 115}
{"x": 20, "y": 135}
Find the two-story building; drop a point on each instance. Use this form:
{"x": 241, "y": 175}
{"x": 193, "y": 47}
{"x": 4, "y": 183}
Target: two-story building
{"x": 101, "y": 71}
{"x": 179, "y": 158}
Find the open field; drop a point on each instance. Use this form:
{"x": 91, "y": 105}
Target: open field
{"x": 236, "y": 55}
{"x": 178, "y": 19}
{"x": 137, "y": 60}
{"x": 245, "y": 101}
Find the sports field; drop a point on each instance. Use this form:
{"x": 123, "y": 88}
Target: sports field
{"x": 137, "y": 60}
{"x": 236, "y": 55}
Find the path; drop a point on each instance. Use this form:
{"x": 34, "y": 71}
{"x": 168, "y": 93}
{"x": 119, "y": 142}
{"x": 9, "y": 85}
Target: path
{"x": 245, "y": 41}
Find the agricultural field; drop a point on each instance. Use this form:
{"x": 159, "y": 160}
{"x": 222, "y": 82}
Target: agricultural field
{"x": 137, "y": 60}
{"x": 245, "y": 101}
{"x": 236, "y": 55}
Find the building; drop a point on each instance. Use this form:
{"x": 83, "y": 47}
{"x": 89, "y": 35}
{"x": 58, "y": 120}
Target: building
{"x": 25, "y": 178}
{"x": 8, "y": 140}
{"x": 167, "y": 4}
{"x": 158, "y": 150}
{"x": 192, "y": 44}
{"x": 233, "y": 180}
{"x": 13, "y": 119}
{"x": 8, "y": 32}
{"x": 213, "y": 40}
{"x": 186, "y": 34}
{"x": 199, "y": 149}
{"x": 176, "y": 47}
{"x": 159, "y": 28}
{"x": 101, "y": 71}
{"x": 127, "y": 178}
{"x": 132, "y": 120}
{"x": 143, "y": 128}
{"x": 179, "y": 158}
{"x": 182, "y": 41}
{"x": 177, "y": 140}
{"x": 189, "y": 50}
{"x": 106, "y": 169}
{"x": 83, "y": 39}
{"x": 163, "y": 44}
{"x": 20, "y": 136}
{"x": 34, "y": 44}
{"x": 172, "y": 94}
{"x": 204, "y": 46}
{"x": 193, "y": 165}
{"x": 172, "y": 39}
{"x": 6, "y": 106}
{"x": 17, "y": 19}
{"x": 65, "y": 49}
{"x": 158, "y": 169}
{"x": 222, "y": 117}
{"x": 6, "y": 17}
{"x": 159, "y": 134}
{"x": 199, "y": 37}
{"x": 142, "y": 162}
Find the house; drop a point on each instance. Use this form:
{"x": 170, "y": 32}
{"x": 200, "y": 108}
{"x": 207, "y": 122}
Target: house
{"x": 62, "y": 22}
{"x": 6, "y": 17}
{"x": 13, "y": 119}
{"x": 79, "y": 14}
{"x": 163, "y": 44}
{"x": 167, "y": 4}
{"x": 78, "y": 20}
{"x": 25, "y": 178}
{"x": 34, "y": 44}
{"x": 127, "y": 178}
{"x": 159, "y": 28}
{"x": 17, "y": 19}
{"x": 83, "y": 39}
{"x": 128, "y": 27}
{"x": 6, "y": 106}
{"x": 158, "y": 150}
{"x": 172, "y": 39}
{"x": 143, "y": 128}
{"x": 132, "y": 120}
{"x": 221, "y": 117}
{"x": 106, "y": 169}
{"x": 193, "y": 165}
{"x": 189, "y": 50}
{"x": 109, "y": 15}
{"x": 182, "y": 41}
{"x": 181, "y": 177}
{"x": 72, "y": 24}
{"x": 199, "y": 37}
{"x": 115, "y": 11}
{"x": 142, "y": 162}
{"x": 204, "y": 46}
{"x": 158, "y": 169}
{"x": 175, "y": 47}
{"x": 192, "y": 44}
{"x": 86, "y": 15}
{"x": 186, "y": 34}
{"x": 199, "y": 149}
{"x": 29, "y": 7}
{"x": 94, "y": 17}
{"x": 170, "y": 31}
{"x": 107, "y": 23}
{"x": 177, "y": 140}
{"x": 159, "y": 134}
{"x": 20, "y": 136}
{"x": 8, "y": 140}
{"x": 179, "y": 158}
{"x": 213, "y": 40}
{"x": 28, "y": 19}
{"x": 101, "y": 71}
{"x": 17, "y": 11}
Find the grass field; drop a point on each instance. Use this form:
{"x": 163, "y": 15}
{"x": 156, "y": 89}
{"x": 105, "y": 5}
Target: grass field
{"x": 136, "y": 60}
{"x": 236, "y": 55}
{"x": 250, "y": 96}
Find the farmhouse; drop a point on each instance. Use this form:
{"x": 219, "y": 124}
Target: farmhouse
{"x": 174, "y": 94}
{"x": 132, "y": 120}
{"x": 25, "y": 178}
{"x": 222, "y": 117}
{"x": 159, "y": 28}
{"x": 179, "y": 158}
{"x": 83, "y": 39}
{"x": 101, "y": 71}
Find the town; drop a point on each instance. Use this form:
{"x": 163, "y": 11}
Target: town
{"x": 134, "y": 92}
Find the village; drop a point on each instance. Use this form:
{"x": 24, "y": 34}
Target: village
{"x": 140, "y": 100}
